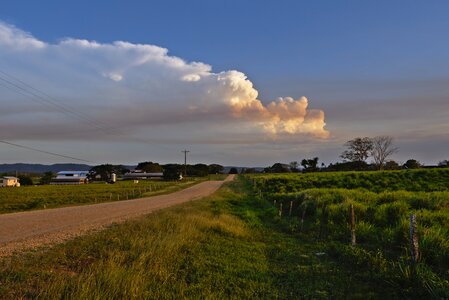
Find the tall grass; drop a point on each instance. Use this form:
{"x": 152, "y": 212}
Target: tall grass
{"x": 234, "y": 245}
{"x": 376, "y": 181}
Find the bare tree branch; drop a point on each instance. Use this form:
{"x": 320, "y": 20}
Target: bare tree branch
{"x": 382, "y": 149}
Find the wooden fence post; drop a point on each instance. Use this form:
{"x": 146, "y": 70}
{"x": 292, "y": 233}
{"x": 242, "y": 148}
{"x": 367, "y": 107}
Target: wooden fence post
{"x": 414, "y": 242}
{"x": 290, "y": 209}
{"x": 274, "y": 202}
{"x": 280, "y": 210}
{"x": 353, "y": 239}
{"x": 303, "y": 215}
{"x": 110, "y": 196}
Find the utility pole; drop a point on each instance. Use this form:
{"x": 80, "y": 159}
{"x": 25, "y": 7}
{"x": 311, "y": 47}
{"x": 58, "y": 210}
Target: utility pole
{"x": 185, "y": 161}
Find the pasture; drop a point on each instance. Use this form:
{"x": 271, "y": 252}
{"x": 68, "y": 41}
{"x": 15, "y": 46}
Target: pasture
{"x": 51, "y": 196}
{"x": 248, "y": 242}
{"x": 317, "y": 207}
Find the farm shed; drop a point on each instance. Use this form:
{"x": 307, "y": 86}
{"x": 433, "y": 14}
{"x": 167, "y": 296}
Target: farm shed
{"x": 142, "y": 175}
{"x": 9, "y": 181}
{"x": 71, "y": 177}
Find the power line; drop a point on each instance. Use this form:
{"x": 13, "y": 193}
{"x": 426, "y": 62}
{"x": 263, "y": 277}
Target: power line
{"x": 14, "y": 84}
{"x": 43, "y": 151}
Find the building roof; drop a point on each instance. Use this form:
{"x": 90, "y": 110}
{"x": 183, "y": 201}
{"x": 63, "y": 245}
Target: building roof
{"x": 73, "y": 172}
{"x": 10, "y": 177}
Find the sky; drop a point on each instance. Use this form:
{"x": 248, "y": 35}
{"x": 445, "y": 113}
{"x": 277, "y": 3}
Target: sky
{"x": 246, "y": 83}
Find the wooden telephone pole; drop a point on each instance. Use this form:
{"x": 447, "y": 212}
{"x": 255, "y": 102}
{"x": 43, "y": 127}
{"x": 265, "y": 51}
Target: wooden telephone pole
{"x": 185, "y": 161}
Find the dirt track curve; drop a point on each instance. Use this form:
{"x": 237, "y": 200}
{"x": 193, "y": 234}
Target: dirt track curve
{"x": 25, "y": 230}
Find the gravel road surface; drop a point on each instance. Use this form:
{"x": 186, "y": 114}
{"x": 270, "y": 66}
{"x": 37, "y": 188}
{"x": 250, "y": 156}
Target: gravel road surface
{"x": 28, "y": 230}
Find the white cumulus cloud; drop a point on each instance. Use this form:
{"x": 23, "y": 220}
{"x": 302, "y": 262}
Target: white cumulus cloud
{"x": 136, "y": 88}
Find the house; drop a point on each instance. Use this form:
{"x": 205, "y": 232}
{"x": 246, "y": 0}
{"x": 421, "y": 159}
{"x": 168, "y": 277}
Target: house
{"x": 137, "y": 174}
{"x": 71, "y": 177}
{"x": 9, "y": 181}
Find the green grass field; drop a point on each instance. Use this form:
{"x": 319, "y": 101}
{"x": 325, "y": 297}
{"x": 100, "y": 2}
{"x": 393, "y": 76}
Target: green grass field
{"x": 50, "y": 196}
{"x": 234, "y": 245}
{"x": 382, "y": 220}
{"x": 377, "y": 181}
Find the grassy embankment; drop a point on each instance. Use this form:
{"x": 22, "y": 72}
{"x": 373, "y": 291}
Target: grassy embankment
{"x": 51, "y": 196}
{"x": 420, "y": 180}
{"x": 383, "y": 202}
{"x": 230, "y": 245}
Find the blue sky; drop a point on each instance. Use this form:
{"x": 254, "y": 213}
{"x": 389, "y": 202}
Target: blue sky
{"x": 373, "y": 67}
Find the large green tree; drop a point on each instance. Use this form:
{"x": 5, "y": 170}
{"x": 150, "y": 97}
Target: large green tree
{"x": 310, "y": 165}
{"x": 215, "y": 169}
{"x": 412, "y": 164}
{"x": 172, "y": 172}
{"x": 358, "y": 149}
{"x": 105, "y": 171}
{"x": 149, "y": 167}
{"x": 46, "y": 178}
{"x": 197, "y": 170}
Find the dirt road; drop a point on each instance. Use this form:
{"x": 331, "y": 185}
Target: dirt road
{"x": 32, "y": 229}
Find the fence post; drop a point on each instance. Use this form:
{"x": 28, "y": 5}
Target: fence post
{"x": 353, "y": 239}
{"x": 274, "y": 202}
{"x": 110, "y": 196}
{"x": 280, "y": 210}
{"x": 290, "y": 209}
{"x": 414, "y": 242}
{"x": 303, "y": 215}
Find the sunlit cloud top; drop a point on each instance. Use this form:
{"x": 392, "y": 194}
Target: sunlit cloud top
{"x": 138, "y": 88}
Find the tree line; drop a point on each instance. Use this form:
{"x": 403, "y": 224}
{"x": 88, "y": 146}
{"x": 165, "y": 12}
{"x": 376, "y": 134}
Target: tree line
{"x": 170, "y": 171}
{"x": 355, "y": 158}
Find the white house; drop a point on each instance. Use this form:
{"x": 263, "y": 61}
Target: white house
{"x": 9, "y": 181}
{"x": 70, "y": 177}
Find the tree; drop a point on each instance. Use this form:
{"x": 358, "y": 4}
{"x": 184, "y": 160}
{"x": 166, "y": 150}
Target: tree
{"x": 149, "y": 167}
{"x": 105, "y": 171}
{"x": 310, "y": 165}
{"x": 215, "y": 169}
{"x": 277, "y": 168}
{"x": 392, "y": 165}
{"x": 233, "y": 171}
{"x": 25, "y": 180}
{"x": 412, "y": 164}
{"x": 46, "y": 178}
{"x": 444, "y": 163}
{"x": 172, "y": 172}
{"x": 294, "y": 166}
{"x": 348, "y": 166}
{"x": 359, "y": 149}
{"x": 382, "y": 148}
{"x": 200, "y": 170}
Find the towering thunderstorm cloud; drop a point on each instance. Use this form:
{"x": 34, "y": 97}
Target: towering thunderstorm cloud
{"x": 138, "y": 87}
